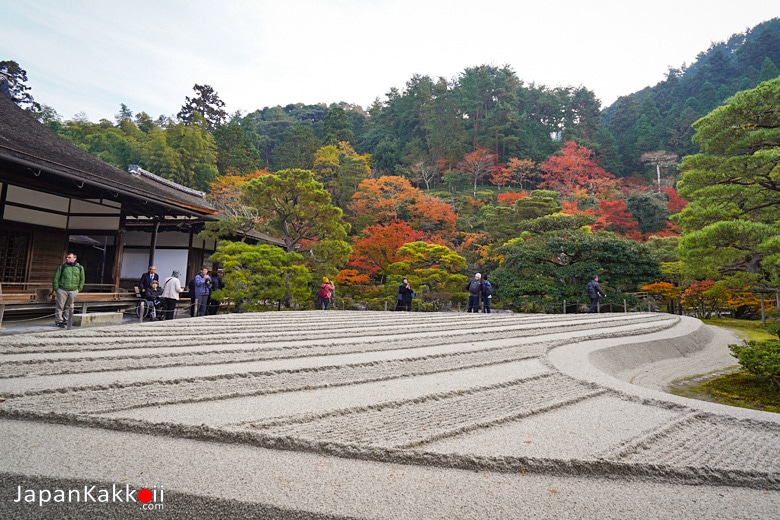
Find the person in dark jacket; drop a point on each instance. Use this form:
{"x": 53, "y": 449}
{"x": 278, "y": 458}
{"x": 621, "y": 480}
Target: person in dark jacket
{"x": 67, "y": 282}
{"x": 217, "y": 283}
{"x": 404, "y": 296}
{"x": 475, "y": 289}
{"x": 146, "y": 280}
{"x": 487, "y": 294}
{"x": 594, "y": 293}
{"x": 153, "y": 297}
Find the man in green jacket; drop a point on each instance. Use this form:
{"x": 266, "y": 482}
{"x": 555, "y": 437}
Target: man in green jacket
{"x": 67, "y": 282}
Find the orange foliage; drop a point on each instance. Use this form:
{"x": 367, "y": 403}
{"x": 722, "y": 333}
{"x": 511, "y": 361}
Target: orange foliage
{"x": 518, "y": 171}
{"x": 352, "y": 277}
{"x": 382, "y": 198}
{"x": 386, "y": 199}
{"x": 500, "y": 175}
{"x": 508, "y": 198}
{"x": 433, "y": 215}
{"x": 475, "y": 247}
{"x": 377, "y": 248}
{"x": 570, "y": 208}
{"x": 663, "y": 289}
{"x": 227, "y": 188}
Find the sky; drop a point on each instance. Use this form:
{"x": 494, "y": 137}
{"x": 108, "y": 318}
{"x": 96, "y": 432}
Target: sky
{"x": 87, "y": 57}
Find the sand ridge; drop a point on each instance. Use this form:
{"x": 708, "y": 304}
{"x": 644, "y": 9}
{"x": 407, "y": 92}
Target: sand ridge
{"x": 525, "y": 396}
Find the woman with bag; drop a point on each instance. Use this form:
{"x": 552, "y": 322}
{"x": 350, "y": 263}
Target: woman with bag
{"x": 326, "y": 290}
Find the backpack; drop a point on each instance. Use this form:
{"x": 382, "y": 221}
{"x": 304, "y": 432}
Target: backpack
{"x": 474, "y": 287}
{"x": 323, "y": 293}
{"x": 487, "y": 289}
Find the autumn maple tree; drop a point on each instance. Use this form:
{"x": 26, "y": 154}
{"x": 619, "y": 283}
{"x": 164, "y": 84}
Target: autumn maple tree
{"x": 664, "y": 290}
{"x": 508, "y": 198}
{"x": 676, "y": 203}
{"x": 390, "y": 198}
{"x": 515, "y": 171}
{"x": 612, "y": 215}
{"x": 574, "y": 168}
{"x": 381, "y": 200}
{"x": 433, "y": 215}
{"x": 477, "y": 164}
{"x": 701, "y": 299}
{"x": 378, "y": 246}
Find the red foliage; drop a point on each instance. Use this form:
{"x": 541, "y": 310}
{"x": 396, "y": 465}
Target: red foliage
{"x": 574, "y": 168}
{"x": 676, "y": 203}
{"x": 614, "y": 216}
{"x": 377, "y": 248}
{"x": 508, "y": 198}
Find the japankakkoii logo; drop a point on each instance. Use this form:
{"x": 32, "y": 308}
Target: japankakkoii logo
{"x": 150, "y": 498}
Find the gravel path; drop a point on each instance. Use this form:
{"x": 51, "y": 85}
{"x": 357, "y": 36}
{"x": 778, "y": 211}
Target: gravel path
{"x": 384, "y": 415}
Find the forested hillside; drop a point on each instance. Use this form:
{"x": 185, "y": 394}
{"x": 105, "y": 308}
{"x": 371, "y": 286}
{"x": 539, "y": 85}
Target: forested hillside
{"x": 660, "y": 117}
{"x": 538, "y": 186}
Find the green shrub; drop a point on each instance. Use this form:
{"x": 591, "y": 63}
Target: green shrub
{"x": 774, "y": 328}
{"x": 761, "y": 358}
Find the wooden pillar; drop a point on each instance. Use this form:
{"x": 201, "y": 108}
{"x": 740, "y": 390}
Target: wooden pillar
{"x": 119, "y": 251}
{"x": 153, "y": 244}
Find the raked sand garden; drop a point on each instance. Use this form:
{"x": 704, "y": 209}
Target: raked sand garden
{"x": 379, "y": 415}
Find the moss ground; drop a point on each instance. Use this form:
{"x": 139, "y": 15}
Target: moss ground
{"x": 733, "y": 388}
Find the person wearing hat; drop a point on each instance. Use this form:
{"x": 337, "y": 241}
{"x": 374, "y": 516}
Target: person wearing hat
{"x": 171, "y": 290}
{"x": 326, "y": 291}
{"x": 217, "y": 283}
{"x": 153, "y": 297}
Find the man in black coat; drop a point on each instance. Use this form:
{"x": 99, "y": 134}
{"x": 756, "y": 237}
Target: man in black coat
{"x": 594, "y": 293}
{"x": 146, "y": 281}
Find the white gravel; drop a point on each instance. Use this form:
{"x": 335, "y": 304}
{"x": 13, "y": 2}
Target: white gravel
{"x": 385, "y": 415}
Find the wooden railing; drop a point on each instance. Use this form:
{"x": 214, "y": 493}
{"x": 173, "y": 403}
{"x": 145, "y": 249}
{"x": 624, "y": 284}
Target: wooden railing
{"x": 22, "y": 297}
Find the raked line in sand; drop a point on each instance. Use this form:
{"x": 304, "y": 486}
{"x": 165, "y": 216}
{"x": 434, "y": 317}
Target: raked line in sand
{"x": 443, "y": 399}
